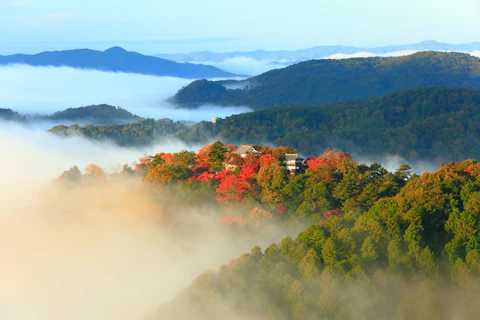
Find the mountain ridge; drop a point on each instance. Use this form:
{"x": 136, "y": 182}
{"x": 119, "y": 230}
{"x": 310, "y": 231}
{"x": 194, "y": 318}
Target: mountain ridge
{"x": 116, "y": 59}
{"x": 434, "y": 124}
{"x": 101, "y": 114}
{"x": 316, "y": 52}
{"x": 316, "y": 82}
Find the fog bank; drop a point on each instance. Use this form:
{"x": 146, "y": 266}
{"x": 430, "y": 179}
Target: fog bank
{"x": 101, "y": 251}
{"x": 27, "y": 89}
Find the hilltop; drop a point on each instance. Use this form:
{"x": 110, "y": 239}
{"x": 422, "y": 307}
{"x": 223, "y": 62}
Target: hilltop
{"x": 96, "y": 114}
{"x": 117, "y": 59}
{"x": 10, "y": 115}
{"x": 323, "y": 81}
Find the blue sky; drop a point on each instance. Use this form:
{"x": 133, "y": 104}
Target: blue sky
{"x": 222, "y": 25}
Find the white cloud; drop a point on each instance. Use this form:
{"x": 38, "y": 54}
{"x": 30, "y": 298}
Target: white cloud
{"x": 475, "y": 53}
{"x": 369, "y": 54}
{"x": 46, "y": 89}
{"x": 96, "y": 252}
{"x": 244, "y": 65}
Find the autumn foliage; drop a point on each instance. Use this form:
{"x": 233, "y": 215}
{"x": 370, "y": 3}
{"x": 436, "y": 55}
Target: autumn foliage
{"x": 332, "y": 185}
{"x": 330, "y": 159}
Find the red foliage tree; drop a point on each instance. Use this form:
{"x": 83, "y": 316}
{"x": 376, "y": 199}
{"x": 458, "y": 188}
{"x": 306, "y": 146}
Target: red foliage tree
{"x": 330, "y": 159}
{"x": 267, "y": 159}
{"x": 202, "y": 159}
{"x": 234, "y": 188}
{"x": 249, "y": 170}
{"x": 205, "y": 176}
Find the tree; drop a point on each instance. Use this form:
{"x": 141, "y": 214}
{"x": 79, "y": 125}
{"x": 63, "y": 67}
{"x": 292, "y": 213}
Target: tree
{"x": 308, "y": 267}
{"x": 143, "y": 165}
{"x": 184, "y": 157}
{"x": 329, "y": 252}
{"x": 94, "y": 171}
{"x": 216, "y": 156}
{"x": 156, "y": 162}
{"x": 127, "y": 171}
{"x": 71, "y": 175}
{"x": 235, "y": 187}
{"x": 295, "y": 298}
{"x": 169, "y": 173}
{"x": 280, "y": 152}
{"x": 369, "y": 250}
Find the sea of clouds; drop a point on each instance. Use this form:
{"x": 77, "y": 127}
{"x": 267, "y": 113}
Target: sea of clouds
{"x": 45, "y": 90}
{"x": 100, "y": 251}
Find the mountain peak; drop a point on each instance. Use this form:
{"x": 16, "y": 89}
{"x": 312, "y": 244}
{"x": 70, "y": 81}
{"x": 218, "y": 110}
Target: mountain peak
{"x": 115, "y": 50}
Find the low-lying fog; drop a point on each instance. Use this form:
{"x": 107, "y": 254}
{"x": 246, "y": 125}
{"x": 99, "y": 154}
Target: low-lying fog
{"x": 45, "y": 90}
{"x": 95, "y": 253}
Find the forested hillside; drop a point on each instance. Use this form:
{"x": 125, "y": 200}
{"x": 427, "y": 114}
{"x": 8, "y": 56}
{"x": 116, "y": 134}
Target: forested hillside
{"x": 10, "y": 115}
{"x": 427, "y": 123}
{"x": 96, "y": 114}
{"x": 258, "y": 189}
{"x": 138, "y": 133}
{"x": 410, "y": 253}
{"x": 323, "y": 81}
{"x": 380, "y": 245}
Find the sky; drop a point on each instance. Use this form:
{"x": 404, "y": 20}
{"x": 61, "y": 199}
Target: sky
{"x": 147, "y": 26}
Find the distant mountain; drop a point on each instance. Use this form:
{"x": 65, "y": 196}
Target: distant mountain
{"x": 433, "y": 124}
{"x": 428, "y": 123}
{"x": 318, "y": 52}
{"x": 117, "y": 59}
{"x": 317, "y": 82}
{"x": 93, "y": 115}
{"x": 10, "y": 115}
{"x": 143, "y": 132}
{"x": 96, "y": 114}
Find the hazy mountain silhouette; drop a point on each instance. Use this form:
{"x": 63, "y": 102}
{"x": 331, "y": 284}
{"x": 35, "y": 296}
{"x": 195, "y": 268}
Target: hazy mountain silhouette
{"x": 318, "y": 52}
{"x": 117, "y": 59}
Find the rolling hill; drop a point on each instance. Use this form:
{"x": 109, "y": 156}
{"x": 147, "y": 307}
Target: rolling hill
{"x": 143, "y": 132}
{"x": 95, "y": 114}
{"x": 427, "y": 123}
{"x": 434, "y": 124}
{"x": 117, "y": 59}
{"x": 92, "y": 115}
{"x": 323, "y": 81}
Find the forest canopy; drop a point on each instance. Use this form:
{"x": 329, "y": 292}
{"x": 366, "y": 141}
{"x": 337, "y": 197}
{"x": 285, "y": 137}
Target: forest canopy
{"x": 428, "y": 123}
{"x": 377, "y": 244}
{"x": 435, "y": 124}
{"x": 323, "y": 81}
